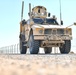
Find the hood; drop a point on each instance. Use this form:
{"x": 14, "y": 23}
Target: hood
{"x": 48, "y": 26}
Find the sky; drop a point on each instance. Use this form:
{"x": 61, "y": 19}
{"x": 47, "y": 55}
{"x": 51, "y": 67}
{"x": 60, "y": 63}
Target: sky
{"x": 10, "y": 16}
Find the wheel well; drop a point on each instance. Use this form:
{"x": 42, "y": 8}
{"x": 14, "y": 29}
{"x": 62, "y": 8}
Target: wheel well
{"x": 31, "y": 31}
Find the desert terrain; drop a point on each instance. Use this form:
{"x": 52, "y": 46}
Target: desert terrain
{"x": 41, "y": 64}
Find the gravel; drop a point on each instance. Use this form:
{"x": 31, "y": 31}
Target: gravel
{"x": 41, "y": 64}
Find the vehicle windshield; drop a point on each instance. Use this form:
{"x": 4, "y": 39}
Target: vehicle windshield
{"x": 45, "y": 21}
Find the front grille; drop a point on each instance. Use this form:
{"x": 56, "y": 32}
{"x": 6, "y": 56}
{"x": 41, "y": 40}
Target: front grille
{"x": 60, "y": 31}
{"x": 54, "y": 31}
{"x": 48, "y": 31}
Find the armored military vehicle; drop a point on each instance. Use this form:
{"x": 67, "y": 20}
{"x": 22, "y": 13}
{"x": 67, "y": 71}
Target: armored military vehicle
{"x": 41, "y": 30}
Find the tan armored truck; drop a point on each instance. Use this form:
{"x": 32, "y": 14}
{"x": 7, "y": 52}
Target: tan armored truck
{"x": 43, "y": 31}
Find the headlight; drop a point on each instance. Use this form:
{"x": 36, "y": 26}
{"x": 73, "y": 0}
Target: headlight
{"x": 40, "y": 31}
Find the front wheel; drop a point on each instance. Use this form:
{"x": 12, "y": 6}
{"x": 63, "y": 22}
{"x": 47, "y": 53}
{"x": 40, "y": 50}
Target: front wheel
{"x": 65, "y": 49}
{"x": 23, "y": 49}
{"x": 33, "y": 45}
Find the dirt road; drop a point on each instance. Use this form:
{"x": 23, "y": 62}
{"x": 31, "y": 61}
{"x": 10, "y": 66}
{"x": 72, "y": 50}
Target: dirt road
{"x": 54, "y": 64}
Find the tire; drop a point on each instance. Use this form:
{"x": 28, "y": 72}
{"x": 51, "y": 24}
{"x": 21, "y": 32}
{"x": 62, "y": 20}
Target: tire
{"x": 48, "y": 50}
{"x": 33, "y": 45}
{"x": 65, "y": 49}
{"x": 23, "y": 49}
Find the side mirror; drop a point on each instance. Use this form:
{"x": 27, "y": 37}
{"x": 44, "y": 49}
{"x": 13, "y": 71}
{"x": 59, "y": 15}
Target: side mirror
{"x": 23, "y": 22}
{"x": 75, "y": 23}
{"x": 48, "y": 14}
{"x": 61, "y": 22}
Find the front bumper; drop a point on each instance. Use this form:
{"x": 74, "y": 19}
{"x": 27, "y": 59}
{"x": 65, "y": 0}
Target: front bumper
{"x": 52, "y": 43}
{"x": 52, "y": 37}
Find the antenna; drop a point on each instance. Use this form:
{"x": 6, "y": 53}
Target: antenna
{"x": 30, "y": 10}
{"x": 60, "y": 12}
{"x": 22, "y": 10}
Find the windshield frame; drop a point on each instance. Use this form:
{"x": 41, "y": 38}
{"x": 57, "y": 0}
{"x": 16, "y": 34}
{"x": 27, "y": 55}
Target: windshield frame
{"x": 45, "y": 21}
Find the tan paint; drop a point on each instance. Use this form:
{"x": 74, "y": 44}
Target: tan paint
{"x": 38, "y": 30}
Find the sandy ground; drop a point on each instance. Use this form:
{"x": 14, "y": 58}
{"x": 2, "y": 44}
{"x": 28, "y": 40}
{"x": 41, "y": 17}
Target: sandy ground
{"x": 38, "y": 64}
